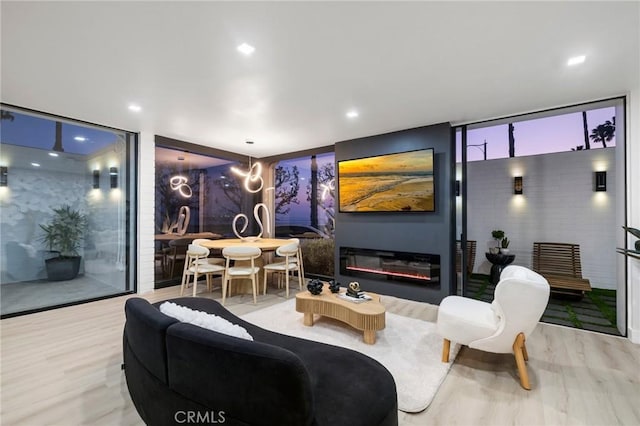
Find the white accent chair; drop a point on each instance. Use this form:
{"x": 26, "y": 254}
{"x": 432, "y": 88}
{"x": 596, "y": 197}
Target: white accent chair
{"x": 195, "y": 265}
{"x": 240, "y": 254}
{"x": 502, "y": 326}
{"x": 290, "y": 253}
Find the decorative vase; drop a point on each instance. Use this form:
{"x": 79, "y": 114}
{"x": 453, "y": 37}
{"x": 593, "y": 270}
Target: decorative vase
{"x": 504, "y": 251}
{"x": 334, "y": 286}
{"x": 315, "y": 287}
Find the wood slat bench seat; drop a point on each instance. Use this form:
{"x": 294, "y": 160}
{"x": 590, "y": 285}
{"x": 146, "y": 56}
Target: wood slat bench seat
{"x": 560, "y": 264}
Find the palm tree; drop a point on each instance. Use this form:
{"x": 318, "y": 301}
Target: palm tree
{"x": 512, "y": 142}
{"x": 603, "y": 133}
{"x": 587, "y": 145}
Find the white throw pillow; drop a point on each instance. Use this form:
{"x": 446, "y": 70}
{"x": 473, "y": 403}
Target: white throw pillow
{"x": 204, "y": 320}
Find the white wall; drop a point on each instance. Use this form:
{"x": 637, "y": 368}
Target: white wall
{"x": 146, "y": 211}
{"x": 558, "y": 205}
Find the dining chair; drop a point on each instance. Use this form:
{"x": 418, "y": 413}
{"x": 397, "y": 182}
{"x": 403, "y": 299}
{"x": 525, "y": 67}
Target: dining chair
{"x": 209, "y": 260}
{"x": 289, "y": 252}
{"x": 195, "y": 267}
{"x": 237, "y": 254}
{"x": 298, "y": 259}
{"x": 177, "y": 252}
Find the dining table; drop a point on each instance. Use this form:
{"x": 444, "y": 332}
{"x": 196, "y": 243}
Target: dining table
{"x": 264, "y": 244}
{"x": 192, "y": 235}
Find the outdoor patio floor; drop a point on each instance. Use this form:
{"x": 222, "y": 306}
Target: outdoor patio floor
{"x": 596, "y": 311}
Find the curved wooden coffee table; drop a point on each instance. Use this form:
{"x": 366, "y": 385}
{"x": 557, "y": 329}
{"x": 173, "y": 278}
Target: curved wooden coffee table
{"x": 367, "y": 316}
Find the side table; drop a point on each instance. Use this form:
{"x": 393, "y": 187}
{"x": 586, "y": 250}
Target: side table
{"x": 498, "y": 262}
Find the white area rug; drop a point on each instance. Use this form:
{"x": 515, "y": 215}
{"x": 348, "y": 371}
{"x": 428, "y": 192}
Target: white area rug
{"x": 410, "y": 349}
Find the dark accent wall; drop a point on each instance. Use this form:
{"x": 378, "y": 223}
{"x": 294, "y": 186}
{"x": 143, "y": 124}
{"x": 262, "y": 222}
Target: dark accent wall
{"x": 431, "y": 233}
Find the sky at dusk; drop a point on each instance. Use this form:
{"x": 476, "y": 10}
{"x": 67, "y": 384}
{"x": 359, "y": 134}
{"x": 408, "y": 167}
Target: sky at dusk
{"x": 558, "y": 133}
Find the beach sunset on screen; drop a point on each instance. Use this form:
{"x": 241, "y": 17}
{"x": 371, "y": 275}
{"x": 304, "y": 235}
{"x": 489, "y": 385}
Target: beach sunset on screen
{"x": 387, "y": 183}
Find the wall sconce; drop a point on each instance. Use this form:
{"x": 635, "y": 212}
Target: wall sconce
{"x": 96, "y": 179}
{"x": 113, "y": 174}
{"x": 4, "y": 177}
{"x": 517, "y": 185}
{"x": 457, "y": 188}
{"x": 600, "y": 182}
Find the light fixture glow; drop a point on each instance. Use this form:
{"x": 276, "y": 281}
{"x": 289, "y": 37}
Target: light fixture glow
{"x": 352, "y": 114}
{"x": 80, "y": 138}
{"x": 246, "y": 49}
{"x": 180, "y": 184}
{"x": 576, "y": 60}
{"x": 53, "y": 154}
{"x": 135, "y": 108}
{"x": 35, "y": 164}
{"x": 327, "y": 188}
{"x": 251, "y": 176}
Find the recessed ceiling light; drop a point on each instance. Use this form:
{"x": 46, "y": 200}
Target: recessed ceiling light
{"x": 80, "y": 138}
{"x": 352, "y": 114}
{"x": 576, "y": 60}
{"x": 245, "y": 48}
{"x": 249, "y": 142}
{"x": 35, "y": 164}
{"x": 135, "y": 108}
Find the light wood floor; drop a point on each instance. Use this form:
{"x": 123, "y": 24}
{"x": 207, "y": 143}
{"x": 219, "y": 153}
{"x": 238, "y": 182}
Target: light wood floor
{"x": 62, "y": 367}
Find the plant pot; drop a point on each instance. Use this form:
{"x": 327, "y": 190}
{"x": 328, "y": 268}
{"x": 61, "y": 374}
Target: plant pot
{"x": 504, "y": 250}
{"x": 63, "y": 268}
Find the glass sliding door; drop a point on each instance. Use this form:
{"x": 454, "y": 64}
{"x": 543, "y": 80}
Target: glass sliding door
{"x": 197, "y": 196}
{"x": 67, "y": 212}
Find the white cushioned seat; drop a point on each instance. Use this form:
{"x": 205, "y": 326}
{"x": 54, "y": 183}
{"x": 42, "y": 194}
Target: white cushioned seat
{"x": 501, "y": 326}
{"x": 465, "y": 320}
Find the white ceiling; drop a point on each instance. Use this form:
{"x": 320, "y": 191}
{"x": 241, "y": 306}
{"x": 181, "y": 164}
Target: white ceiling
{"x": 401, "y": 65}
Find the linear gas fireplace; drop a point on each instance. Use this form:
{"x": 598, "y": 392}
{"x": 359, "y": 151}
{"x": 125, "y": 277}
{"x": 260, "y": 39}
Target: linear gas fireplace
{"x": 387, "y": 265}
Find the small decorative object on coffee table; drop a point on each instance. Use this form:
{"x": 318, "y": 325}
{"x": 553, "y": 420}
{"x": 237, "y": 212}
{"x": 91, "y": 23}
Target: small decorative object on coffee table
{"x": 334, "y": 286}
{"x": 354, "y": 290}
{"x": 315, "y": 287}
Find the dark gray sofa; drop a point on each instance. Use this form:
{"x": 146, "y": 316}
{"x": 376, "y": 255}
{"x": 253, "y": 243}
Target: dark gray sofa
{"x": 175, "y": 370}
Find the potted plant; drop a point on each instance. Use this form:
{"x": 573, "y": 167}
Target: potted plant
{"x": 63, "y": 236}
{"x": 505, "y": 245}
{"x": 498, "y": 235}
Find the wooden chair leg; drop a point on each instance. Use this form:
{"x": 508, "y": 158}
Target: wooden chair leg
{"x": 446, "y": 345}
{"x": 195, "y": 282}
{"x": 524, "y": 349}
{"x": 254, "y": 286}
{"x": 518, "y": 346}
{"x": 224, "y": 288}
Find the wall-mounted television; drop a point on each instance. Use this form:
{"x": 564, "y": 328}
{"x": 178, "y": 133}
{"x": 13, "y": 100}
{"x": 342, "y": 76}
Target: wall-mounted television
{"x": 400, "y": 182}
